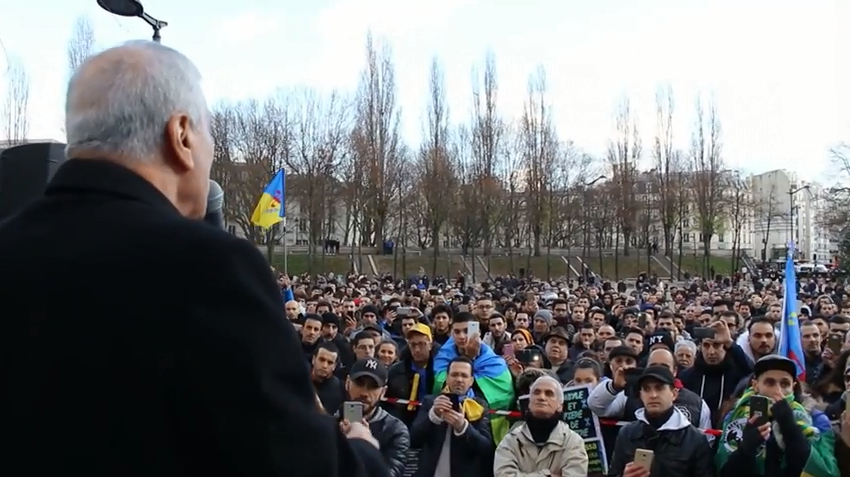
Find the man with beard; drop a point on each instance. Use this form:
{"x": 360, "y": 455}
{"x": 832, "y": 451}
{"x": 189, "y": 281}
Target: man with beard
{"x": 293, "y": 313}
{"x": 367, "y": 383}
{"x": 761, "y": 339}
{"x": 328, "y": 387}
{"x": 720, "y": 365}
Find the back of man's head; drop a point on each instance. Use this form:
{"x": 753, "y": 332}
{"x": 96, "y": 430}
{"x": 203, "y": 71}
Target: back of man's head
{"x": 119, "y": 102}
{"x": 141, "y": 105}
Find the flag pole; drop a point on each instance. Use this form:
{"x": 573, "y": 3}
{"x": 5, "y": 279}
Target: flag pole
{"x": 285, "y": 254}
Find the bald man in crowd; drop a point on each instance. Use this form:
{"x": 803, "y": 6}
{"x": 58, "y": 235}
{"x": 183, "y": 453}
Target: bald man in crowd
{"x": 138, "y": 340}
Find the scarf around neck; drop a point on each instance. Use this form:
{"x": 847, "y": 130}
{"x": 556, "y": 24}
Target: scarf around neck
{"x": 736, "y": 420}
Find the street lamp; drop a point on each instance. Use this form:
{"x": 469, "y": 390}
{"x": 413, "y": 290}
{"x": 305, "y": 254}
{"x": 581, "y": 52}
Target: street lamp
{"x": 594, "y": 181}
{"x": 133, "y": 8}
{"x": 586, "y": 193}
{"x": 791, "y": 194}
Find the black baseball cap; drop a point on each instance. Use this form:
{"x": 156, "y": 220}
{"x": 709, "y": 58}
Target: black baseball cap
{"x": 657, "y": 373}
{"x": 622, "y": 351}
{"x": 370, "y": 368}
{"x": 775, "y": 362}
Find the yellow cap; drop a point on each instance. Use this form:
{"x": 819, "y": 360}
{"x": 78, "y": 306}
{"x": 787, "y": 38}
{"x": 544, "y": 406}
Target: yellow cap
{"x": 422, "y": 329}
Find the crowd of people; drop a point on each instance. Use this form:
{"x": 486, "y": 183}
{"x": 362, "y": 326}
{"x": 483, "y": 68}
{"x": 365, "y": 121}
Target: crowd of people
{"x": 469, "y": 380}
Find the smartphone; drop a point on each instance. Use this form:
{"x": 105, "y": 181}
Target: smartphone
{"x": 473, "y": 328}
{"x": 642, "y": 320}
{"x": 463, "y": 309}
{"x": 703, "y": 332}
{"x": 835, "y": 342}
{"x": 632, "y": 376}
{"x": 526, "y": 356}
{"x": 402, "y": 311}
{"x": 643, "y": 458}
{"x": 352, "y": 411}
{"x": 758, "y": 406}
{"x": 455, "y": 399}
{"x": 508, "y": 349}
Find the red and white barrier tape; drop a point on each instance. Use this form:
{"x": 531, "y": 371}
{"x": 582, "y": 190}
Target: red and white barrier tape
{"x": 604, "y": 422}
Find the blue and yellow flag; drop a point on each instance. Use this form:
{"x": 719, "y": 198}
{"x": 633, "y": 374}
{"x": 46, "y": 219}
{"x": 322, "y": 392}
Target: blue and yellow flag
{"x": 271, "y": 208}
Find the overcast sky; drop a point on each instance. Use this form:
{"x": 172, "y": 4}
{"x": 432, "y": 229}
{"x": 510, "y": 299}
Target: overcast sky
{"x": 779, "y": 71}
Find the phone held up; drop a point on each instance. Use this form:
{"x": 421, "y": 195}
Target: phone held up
{"x": 473, "y": 328}
{"x": 455, "y": 399}
{"x": 643, "y": 458}
{"x": 508, "y": 349}
{"x": 703, "y": 332}
{"x": 758, "y": 408}
{"x": 352, "y": 411}
{"x": 835, "y": 342}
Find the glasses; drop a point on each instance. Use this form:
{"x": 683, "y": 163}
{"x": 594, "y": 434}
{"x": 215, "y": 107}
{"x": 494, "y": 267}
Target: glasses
{"x": 847, "y": 378}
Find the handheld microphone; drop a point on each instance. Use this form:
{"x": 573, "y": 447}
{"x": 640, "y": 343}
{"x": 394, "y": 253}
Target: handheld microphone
{"x": 215, "y": 206}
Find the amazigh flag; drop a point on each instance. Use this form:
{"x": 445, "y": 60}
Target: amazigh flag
{"x": 492, "y": 377}
{"x": 271, "y": 208}
{"x": 790, "y": 339}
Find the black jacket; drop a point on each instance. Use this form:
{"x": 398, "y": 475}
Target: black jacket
{"x": 394, "y": 439}
{"x": 715, "y": 383}
{"x": 471, "y": 452}
{"x": 680, "y": 449}
{"x": 331, "y": 392}
{"x": 566, "y": 372}
{"x": 399, "y": 381}
{"x": 743, "y": 461}
{"x": 160, "y": 346}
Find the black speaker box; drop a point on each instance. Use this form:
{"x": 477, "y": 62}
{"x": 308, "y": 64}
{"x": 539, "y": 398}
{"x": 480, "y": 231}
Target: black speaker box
{"x": 25, "y": 171}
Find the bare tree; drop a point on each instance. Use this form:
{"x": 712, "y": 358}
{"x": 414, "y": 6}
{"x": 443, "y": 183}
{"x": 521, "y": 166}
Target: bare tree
{"x": 16, "y": 104}
{"x": 624, "y": 153}
{"x": 81, "y": 45}
{"x": 377, "y": 122}
{"x": 767, "y": 210}
{"x": 322, "y": 126}
{"x": 512, "y": 162}
{"x": 226, "y": 169}
{"x": 465, "y": 219}
{"x": 569, "y": 168}
{"x": 253, "y": 141}
{"x": 739, "y": 212}
{"x": 436, "y": 167}
{"x": 540, "y": 149}
{"x": 487, "y": 130}
{"x": 663, "y": 157}
{"x": 834, "y": 214}
{"x": 682, "y": 197}
{"x": 708, "y": 176}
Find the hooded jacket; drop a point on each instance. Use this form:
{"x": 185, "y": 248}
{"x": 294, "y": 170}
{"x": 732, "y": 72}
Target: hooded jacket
{"x": 714, "y": 383}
